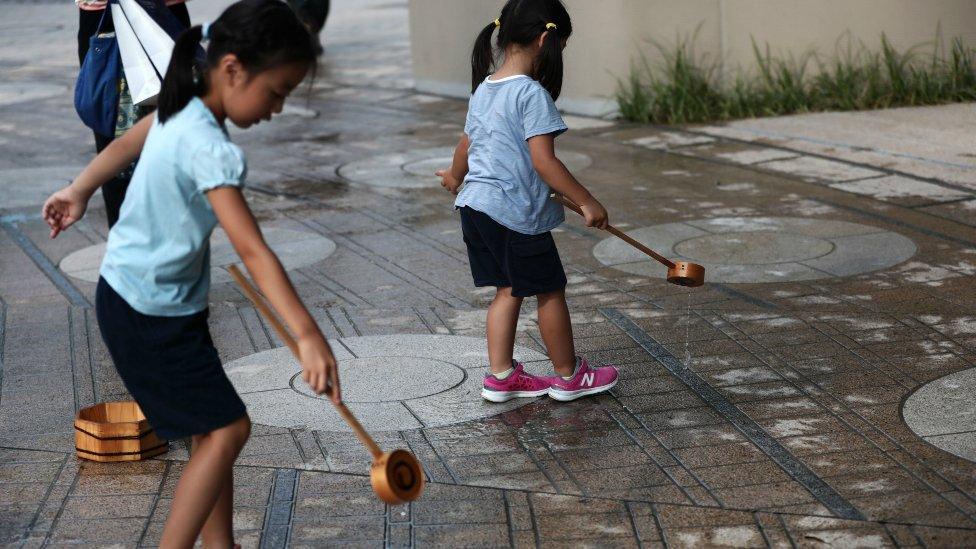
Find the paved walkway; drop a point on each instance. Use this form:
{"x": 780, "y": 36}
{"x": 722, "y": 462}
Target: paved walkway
{"x": 764, "y": 408}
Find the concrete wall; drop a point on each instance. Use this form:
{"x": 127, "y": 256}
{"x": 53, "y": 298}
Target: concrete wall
{"x": 609, "y": 34}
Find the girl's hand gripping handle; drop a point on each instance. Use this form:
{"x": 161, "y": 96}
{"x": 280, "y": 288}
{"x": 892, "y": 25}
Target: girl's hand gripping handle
{"x": 319, "y": 368}
{"x": 594, "y": 214}
{"x": 614, "y": 231}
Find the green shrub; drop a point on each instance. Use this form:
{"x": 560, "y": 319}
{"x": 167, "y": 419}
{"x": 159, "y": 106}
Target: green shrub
{"x": 687, "y": 88}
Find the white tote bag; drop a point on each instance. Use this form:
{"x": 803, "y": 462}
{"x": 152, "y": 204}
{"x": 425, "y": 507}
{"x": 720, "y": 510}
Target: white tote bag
{"x": 145, "y": 49}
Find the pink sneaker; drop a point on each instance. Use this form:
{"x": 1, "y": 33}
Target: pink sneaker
{"x": 586, "y": 381}
{"x": 517, "y": 384}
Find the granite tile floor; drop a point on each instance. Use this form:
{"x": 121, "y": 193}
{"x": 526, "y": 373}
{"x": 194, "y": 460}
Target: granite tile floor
{"x": 763, "y": 410}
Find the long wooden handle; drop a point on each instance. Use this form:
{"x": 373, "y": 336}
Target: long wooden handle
{"x": 618, "y": 233}
{"x": 263, "y": 308}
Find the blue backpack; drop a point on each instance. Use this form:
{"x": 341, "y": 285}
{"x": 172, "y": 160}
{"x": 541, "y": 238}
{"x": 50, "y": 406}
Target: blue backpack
{"x": 97, "y": 87}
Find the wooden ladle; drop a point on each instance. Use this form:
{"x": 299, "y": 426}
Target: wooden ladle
{"x": 396, "y": 476}
{"x": 682, "y": 273}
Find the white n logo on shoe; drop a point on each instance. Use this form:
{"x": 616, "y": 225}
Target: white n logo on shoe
{"x": 588, "y": 379}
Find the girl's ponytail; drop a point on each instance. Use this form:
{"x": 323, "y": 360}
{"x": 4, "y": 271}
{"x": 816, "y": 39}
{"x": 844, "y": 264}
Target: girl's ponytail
{"x": 521, "y": 22}
{"x": 261, "y": 34}
{"x": 549, "y": 63}
{"x": 182, "y": 81}
{"x": 482, "y": 58}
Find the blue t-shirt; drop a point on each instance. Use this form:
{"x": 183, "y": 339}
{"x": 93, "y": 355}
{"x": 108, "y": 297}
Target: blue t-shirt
{"x": 501, "y": 181}
{"x": 158, "y": 253}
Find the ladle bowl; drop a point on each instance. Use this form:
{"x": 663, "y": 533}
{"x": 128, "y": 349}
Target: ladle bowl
{"x": 397, "y": 477}
{"x": 685, "y": 273}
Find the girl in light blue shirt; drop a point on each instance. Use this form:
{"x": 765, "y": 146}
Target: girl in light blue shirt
{"x": 506, "y": 161}
{"x": 151, "y": 299}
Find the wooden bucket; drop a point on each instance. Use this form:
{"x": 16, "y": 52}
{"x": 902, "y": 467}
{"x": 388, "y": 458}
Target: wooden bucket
{"x": 115, "y": 431}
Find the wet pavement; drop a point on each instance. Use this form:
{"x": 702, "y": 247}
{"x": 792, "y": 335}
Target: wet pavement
{"x": 765, "y": 408}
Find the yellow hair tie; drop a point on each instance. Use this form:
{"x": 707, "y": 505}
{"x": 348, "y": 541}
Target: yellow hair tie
{"x": 498, "y": 23}
{"x": 550, "y": 26}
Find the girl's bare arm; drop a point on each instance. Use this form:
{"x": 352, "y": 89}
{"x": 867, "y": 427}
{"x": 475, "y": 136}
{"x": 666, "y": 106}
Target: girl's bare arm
{"x": 68, "y": 205}
{"x": 115, "y": 158}
{"x": 560, "y": 180}
{"x": 318, "y": 363}
{"x": 452, "y": 178}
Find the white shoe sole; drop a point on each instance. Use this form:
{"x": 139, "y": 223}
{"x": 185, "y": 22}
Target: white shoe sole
{"x": 566, "y": 396}
{"x": 498, "y": 396}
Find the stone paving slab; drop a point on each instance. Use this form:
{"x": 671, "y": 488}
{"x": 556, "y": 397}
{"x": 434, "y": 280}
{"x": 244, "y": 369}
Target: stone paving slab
{"x": 327, "y": 509}
{"x": 903, "y": 190}
{"x": 930, "y": 142}
{"x": 821, "y": 169}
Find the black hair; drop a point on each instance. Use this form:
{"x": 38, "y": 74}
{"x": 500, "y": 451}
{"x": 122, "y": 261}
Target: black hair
{"x": 262, "y": 34}
{"x": 521, "y": 22}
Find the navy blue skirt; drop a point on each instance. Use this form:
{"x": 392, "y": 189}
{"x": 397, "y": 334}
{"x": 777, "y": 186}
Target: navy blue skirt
{"x": 169, "y": 365}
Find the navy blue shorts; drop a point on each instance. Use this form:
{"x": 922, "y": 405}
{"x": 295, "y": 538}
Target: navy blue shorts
{"x": 169, "y": 365}
{"x": 501, "y": 257}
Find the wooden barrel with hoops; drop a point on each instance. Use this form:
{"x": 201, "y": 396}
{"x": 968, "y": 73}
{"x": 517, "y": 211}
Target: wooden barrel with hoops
{"x": 115, "y": 431}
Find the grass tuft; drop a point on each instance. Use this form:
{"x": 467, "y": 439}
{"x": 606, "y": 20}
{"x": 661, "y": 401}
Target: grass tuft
{"x": 688, "y": 88}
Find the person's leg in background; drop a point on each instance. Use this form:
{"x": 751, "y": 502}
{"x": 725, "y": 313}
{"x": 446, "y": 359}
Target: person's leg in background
{"x": 87, "y": 25}
{"x": 181, "y": 13}
{"x": 114, "y": 190}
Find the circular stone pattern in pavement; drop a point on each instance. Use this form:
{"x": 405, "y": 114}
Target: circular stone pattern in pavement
{"x": 761, "y": 249}
{"x": 737, "y": 248}
{"x": 415, "y": 169}
{"x": 391, "y": 383}
{"x": 417, "y": 377}
{"x": 295, "y": 249}
{"x": 943, "y": 412}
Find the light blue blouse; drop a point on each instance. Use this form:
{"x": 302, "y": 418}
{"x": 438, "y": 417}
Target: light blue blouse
{"x": 158, "y": 253}
{"x": 501, "y": 181}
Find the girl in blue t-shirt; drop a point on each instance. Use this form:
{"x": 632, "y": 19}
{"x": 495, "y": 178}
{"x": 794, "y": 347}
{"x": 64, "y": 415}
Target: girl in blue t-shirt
{"x": 151, "y": 299}
{"x": 506, "y": 161}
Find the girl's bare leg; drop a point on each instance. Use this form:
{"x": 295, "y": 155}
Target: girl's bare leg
{"x": 503, "y": 316}
{"x": 202, "y": 484}
{"x": 557, "y": 331}
{"x": 218, "y": 531}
